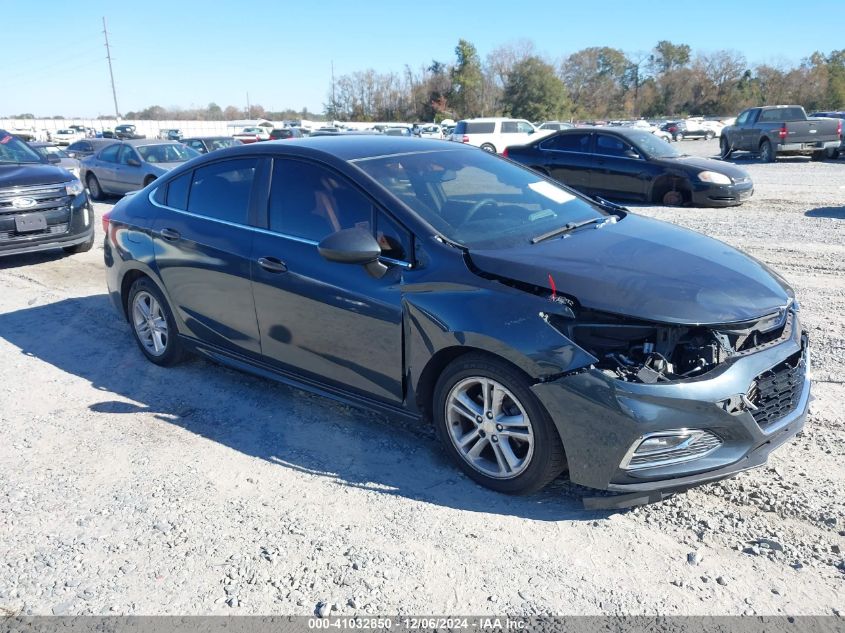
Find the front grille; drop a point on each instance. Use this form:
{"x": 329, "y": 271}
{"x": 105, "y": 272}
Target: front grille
{"x": 776, "y": 391}
{"x": 53, "y": 229}
{"x": 46, "y": 197}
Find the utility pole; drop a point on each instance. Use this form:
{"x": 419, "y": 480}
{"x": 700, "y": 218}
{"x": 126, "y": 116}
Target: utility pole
{"x": 248, "y": 107}
{"x": 334, "y": 106}
{"x": 111, "y": 73}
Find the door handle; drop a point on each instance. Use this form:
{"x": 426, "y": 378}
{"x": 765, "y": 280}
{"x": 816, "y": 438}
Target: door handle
{"x": 170, "y": 234}
{"x": 272, "y": 265}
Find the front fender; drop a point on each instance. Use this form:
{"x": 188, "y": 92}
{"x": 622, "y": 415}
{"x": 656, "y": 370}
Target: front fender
{"x": 508, "y": 323}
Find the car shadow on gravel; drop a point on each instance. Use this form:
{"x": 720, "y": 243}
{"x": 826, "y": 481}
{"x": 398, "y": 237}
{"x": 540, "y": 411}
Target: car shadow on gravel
{"x": 32, "y": 259}
{"x": 258, "y": 417}
{"x": 837, "y": 213}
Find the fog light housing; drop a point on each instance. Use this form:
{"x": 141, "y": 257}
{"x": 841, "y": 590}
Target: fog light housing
{"x": 669, "y": 447}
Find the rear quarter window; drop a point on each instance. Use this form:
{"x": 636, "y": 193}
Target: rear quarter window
{"x": 479, "y": 127}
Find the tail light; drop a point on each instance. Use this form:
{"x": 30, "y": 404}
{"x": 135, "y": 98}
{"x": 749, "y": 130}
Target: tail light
{"x": 464, "y": 139}
{"x": 505, "y": 152}
{"x": 839, "y": 127}
{"x": 106, "y": 219}
{"x": 783, "y": 131}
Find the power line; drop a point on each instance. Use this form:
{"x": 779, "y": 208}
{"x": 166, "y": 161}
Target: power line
{"x": 111, "y": 74}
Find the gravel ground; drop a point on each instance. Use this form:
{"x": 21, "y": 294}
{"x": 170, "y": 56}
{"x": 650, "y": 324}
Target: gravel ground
{"x": 130, "y": 489}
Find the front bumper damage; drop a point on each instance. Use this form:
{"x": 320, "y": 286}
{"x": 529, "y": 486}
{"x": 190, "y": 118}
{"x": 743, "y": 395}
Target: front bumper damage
{"x": 601, "y": 420}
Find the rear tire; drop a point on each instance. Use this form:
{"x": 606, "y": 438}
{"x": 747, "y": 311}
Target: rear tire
{"x": 489, "y": 147}
{"x": 152, "y": 324}
{"x": 709, "y": 136}
{"x": 725, "y": 148}
{"x": 519, "y": 456}
{"x": 679, "y": 136}
{"x": 767, "y": 152}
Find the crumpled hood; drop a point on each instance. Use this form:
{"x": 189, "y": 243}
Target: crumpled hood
{"x": 32, "y": 174}
{"x": 646, "y": 269}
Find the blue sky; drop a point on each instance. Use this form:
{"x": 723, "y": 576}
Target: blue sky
{"x": 189, "y": 52}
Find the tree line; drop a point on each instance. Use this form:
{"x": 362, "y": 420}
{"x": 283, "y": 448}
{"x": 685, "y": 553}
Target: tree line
{"x": 596, "y": 83}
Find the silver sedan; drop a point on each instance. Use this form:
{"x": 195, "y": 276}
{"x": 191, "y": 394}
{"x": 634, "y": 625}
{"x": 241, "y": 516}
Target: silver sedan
{"x": 131, "y": 165}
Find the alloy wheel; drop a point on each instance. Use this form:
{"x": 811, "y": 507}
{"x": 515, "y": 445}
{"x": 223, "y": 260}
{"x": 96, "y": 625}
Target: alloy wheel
{"x": 150, "y": 323}
{"x": 489, "y": 427}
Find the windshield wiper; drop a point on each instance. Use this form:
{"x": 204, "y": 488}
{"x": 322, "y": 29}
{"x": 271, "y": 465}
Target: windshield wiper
{"x": 571, "y": 226}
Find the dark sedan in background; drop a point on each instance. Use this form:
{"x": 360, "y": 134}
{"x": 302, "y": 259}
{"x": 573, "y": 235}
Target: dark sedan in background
{"x": 540, "y": 331}
{"x": 87, "y": 147}
{"x": 206, "y": 144}
{"x": 125, "y": 166}
{"x": 627, "y": 164}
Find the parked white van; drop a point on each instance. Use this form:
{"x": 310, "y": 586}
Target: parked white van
{"x": 493, "y": 134}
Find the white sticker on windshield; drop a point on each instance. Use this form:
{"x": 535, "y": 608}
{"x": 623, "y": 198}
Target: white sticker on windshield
{"x": 551, "y": 192}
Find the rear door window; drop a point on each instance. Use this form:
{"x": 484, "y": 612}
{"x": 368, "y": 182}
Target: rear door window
{"x": 510, "y": 127}
{"x": 222, "y": 190}
{"x": 177, "y": 192}
{"x": 568, "y": 143}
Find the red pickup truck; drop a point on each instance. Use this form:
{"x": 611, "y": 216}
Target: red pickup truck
{"x": 780, "y": 130}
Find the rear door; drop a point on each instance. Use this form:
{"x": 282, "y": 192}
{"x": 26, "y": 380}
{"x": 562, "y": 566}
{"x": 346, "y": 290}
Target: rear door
{"x": 203, "y": 242}
{"x": 568, "y": 160}
{"x": 619, "y": 171}
{"x": 328, "y": 321}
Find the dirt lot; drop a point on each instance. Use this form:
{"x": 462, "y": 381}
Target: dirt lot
{"x": 126, "y": 488}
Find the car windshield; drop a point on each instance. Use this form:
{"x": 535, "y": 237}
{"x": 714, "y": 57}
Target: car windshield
{"x": 476, "y": 199}
{"x": 653, "y": 146}
{"x": 220, "y": 143}
{"x": 171, "y": 153}
{"x": 13, "y": 150}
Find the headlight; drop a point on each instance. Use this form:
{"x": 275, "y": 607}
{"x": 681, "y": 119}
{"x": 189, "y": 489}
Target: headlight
{"x": 74, "y": 187}
{"x": 714, "y": 177}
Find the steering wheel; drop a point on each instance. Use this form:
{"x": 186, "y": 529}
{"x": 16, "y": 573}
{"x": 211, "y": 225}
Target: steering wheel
{"x": 474, "y": 208}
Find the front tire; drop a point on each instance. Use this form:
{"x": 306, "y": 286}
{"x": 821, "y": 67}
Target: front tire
{"x": 488, "y": 147}
{"x": 152, "y": 324}
{"x": 725, "y": 148}
{"x": 493, "y": 426}
{"x": 94, "y": 187}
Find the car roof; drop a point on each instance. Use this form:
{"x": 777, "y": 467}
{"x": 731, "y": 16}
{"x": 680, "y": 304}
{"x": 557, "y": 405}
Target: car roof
{"x": 204, "y": 138}
{"x": 138, "y": 142}
{"x": 347, "y": 147}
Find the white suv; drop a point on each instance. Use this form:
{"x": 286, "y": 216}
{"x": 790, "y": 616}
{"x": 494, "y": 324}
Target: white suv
{"x": 493, "y": 134}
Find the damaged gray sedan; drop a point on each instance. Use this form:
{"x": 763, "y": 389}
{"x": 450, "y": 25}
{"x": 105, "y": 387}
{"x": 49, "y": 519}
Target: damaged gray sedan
{"x": 542, "y": 332}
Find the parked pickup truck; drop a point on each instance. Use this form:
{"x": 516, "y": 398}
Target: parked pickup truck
{"x": 773, "y": 130}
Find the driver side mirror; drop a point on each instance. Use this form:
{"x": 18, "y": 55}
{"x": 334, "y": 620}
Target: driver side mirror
{"x": 353, "y": 246}
{"x": 629, "y": 153}
{"x": 133, "y": 162}
{"x": 53, "y": 159}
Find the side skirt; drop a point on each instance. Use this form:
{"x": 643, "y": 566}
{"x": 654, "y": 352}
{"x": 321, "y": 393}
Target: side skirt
{"x": 264, "y": 370}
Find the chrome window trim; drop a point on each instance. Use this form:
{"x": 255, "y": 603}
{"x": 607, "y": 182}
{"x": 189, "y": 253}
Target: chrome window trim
{"x": 396, "y": 262}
